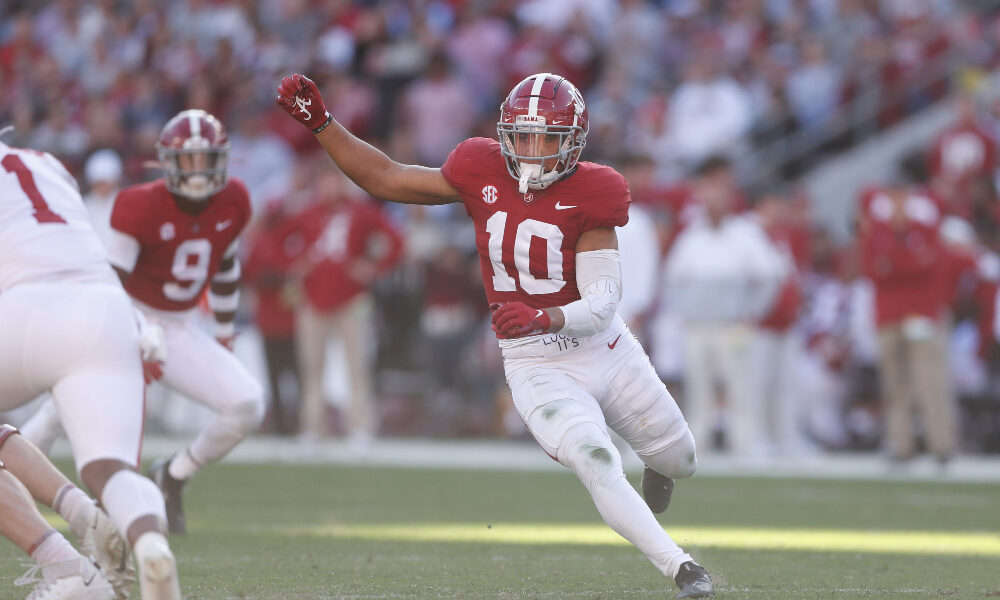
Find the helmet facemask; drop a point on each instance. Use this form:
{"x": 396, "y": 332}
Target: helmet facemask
{"x": 196, "y": 171}
{"x": 529, "y": 143}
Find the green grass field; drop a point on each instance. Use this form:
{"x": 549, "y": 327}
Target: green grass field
{"x": 312, "y": 532}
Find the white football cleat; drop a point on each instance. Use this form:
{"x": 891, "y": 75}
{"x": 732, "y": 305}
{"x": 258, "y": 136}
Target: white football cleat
{"x": 157, "y": 568}
{"x": 74, "y": 579}
{"x": 102, "y": 542}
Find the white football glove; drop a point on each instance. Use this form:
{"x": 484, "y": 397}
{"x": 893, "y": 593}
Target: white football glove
{"x": 152, "y": 341}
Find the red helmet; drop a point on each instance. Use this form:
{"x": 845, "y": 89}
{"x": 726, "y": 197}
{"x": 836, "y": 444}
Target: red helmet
{"x": 194, "y": 151}
{"x": 543, "y": 117}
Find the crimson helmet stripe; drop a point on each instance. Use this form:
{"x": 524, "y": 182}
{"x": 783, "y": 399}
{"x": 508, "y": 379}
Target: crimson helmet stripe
{"x": 536, "y": 89}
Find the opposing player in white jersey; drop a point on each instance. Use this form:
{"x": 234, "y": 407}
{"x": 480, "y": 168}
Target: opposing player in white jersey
{"x": 68, "y": 328}
{"x": 171, "y": 240}
{"x": 549, "y": 255}
{"x": 103, "y": 173}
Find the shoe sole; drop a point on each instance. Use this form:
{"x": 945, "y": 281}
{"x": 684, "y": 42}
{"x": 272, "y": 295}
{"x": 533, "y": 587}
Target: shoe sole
{"x": 159, "y": 578}
{"x": 702, "y": 593}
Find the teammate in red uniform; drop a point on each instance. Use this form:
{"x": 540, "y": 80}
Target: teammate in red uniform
{"x": 171, "y": 239}
{"x": 549, "y": 253}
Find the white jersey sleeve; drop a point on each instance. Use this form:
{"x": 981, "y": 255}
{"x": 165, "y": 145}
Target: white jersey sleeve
{"x": 123, "y": 250}
{"x": 45, "y": 234}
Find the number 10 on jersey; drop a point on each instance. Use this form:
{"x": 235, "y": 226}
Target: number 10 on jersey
{"x": 496, "y": 226}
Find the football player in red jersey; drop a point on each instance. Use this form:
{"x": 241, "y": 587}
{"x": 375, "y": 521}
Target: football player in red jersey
{"x": 171, "y": 239}
{"x": 549, "y": 254}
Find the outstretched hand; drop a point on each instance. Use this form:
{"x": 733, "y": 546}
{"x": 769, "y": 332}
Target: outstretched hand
{"x": 299, "y": 97}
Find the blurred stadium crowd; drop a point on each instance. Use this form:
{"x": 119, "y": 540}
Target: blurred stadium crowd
{"x": 774, "y": 335}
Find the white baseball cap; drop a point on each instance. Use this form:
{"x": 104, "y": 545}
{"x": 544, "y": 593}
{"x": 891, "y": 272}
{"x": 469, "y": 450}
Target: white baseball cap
{"x": 103, "y": 165}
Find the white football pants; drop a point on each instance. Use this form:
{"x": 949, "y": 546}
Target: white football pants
{"x": 80, "y": 341}
{"x": 569, "y": 391}
{"x": 200, "y": 368}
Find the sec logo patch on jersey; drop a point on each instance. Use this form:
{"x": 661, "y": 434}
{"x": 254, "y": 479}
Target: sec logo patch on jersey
{"x": 167, "y": 232}
{"x": 490, "y": 194}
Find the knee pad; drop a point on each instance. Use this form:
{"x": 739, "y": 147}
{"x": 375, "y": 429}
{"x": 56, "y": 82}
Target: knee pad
{"x": 247, "y": 415}
{"x": 588, "y": 451}
{"x": 5, "y": 432}
{"x": 677, "y": 461}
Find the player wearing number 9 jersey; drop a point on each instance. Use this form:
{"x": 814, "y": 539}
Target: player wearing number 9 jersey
{"x": 173, "y": 239}
{"x": 170, "y": 254}
{"x": 549, "y": 253}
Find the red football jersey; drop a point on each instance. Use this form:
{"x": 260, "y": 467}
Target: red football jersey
{"x": 335, "y": 239}
{"x": 179, "y": 253}
{"x": 904, "y": 261}
{"x": 527, "y": 242}
{"x": 923, "y": 209}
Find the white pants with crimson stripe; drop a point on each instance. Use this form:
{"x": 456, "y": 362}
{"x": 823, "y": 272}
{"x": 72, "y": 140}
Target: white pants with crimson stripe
{"x": 570, "y": 391}
{"x": 200, "y": 368}
{"x": 80, "y": 341}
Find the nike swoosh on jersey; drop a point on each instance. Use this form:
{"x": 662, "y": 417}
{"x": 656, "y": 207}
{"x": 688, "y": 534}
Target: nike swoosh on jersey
{"x": 611, "y": 345}
{"x": 223, "y": 225}
{"x": 561, "y": 207}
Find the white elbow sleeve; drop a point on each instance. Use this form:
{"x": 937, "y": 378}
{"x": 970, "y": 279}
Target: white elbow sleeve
{"x": 599, "y": 279}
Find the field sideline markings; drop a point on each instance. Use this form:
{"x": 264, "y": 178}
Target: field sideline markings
{"x": 742, "y": 538}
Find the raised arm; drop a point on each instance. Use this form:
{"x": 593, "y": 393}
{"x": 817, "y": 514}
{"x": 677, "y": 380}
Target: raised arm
{"x": 365, "y": 164}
